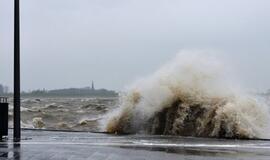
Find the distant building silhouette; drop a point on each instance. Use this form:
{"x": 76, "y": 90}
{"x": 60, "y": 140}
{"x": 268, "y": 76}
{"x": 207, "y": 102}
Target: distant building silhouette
{"x": 93, "y": 86}
{"x": 1, "y": 89}
{"x": 6, "y": 89}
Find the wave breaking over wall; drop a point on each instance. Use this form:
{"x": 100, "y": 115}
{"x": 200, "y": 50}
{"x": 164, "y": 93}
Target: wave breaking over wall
{"x": 189, "y": 96}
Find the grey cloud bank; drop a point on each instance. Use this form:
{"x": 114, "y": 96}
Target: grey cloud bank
{"x": 69, "y": 43}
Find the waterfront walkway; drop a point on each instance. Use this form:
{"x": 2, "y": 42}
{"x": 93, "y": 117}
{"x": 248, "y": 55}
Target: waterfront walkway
{"x": 47, "y": 145}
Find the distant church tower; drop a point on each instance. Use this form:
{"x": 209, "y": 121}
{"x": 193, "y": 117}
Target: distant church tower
{"x": 93, "y": 86}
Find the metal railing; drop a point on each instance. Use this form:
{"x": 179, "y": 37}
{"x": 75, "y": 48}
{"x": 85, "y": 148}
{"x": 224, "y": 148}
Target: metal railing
{"x": 3, "y": 99}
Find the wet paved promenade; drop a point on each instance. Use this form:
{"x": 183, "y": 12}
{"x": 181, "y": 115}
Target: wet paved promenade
{"x": 46, "y": 145}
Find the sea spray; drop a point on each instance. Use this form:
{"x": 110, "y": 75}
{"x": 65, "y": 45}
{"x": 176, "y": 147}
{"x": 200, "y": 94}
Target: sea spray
{"x": 189, "y": 96}
{"x": 38, "y": 123}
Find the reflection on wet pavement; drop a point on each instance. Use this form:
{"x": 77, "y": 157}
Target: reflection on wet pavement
{"x": 47, "y": 145}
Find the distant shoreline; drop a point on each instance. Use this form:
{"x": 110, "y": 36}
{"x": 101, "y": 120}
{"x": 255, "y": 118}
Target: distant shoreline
{"x": 68, "y": 92}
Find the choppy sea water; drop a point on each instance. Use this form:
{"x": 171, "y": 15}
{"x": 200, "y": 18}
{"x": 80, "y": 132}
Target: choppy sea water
{"x": 75, "y": 114}
{"x": 65, "y": 113}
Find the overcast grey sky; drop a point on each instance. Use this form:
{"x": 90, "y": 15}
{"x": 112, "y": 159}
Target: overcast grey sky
{"x": 68, "y": 43}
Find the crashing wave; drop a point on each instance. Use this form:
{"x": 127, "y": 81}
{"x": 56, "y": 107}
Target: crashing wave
{"x": 189, "y": 97}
